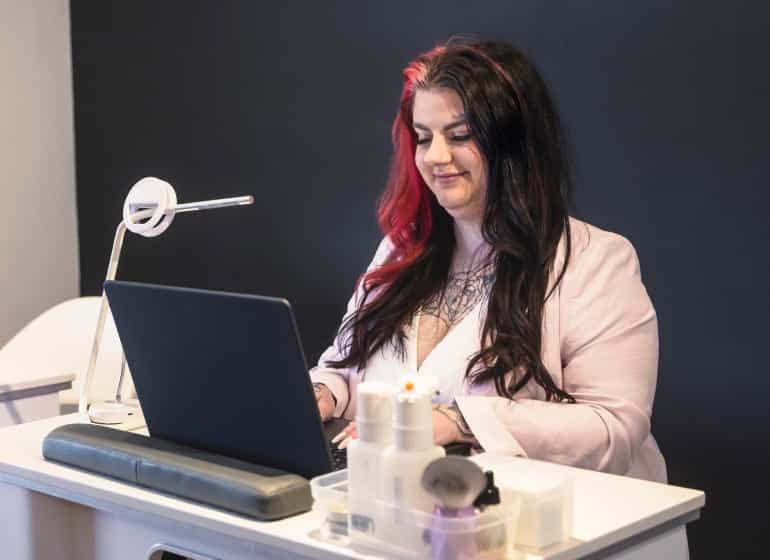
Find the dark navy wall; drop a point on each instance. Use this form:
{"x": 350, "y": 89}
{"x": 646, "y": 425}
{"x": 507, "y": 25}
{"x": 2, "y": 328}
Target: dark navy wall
{"x": 666, "y": 104}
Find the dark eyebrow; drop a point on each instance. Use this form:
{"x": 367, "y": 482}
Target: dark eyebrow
{"x": 462, "y": 120}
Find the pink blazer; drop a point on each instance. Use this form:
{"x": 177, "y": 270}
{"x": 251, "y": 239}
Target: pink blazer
{"x": 600, "y": 344}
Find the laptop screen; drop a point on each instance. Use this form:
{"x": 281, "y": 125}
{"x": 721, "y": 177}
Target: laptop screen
{"x": 221, "y": 372}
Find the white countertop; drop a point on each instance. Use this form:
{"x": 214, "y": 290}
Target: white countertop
{"x": 607, "y": 509}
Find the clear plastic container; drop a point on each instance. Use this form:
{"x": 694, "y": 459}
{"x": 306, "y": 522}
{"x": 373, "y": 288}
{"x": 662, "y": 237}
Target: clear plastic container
{"x": 414, "y": 534}
{"x": 330, "y": 499}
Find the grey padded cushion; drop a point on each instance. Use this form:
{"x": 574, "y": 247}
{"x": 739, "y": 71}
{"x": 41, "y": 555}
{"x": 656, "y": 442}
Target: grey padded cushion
{"x": 260, "y": 492}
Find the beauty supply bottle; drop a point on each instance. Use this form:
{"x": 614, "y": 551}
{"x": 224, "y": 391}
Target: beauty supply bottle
{"x": 374, "y": 411}
{"x": 403, "y": 464}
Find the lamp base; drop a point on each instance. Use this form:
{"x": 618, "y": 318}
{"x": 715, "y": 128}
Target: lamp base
{"x": 112, "y": 412}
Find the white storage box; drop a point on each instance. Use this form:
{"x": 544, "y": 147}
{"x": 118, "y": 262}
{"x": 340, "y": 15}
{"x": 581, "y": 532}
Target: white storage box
{"x": 545, "y": 517}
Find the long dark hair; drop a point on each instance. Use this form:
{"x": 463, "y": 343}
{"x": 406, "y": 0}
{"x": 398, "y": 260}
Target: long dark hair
{"x": 514, "y": 122}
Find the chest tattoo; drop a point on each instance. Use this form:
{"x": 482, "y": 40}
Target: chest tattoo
{"x": 463, "y": 291}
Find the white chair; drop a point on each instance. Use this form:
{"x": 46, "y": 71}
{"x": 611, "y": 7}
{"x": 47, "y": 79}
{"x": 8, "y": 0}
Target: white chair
{"x": 57, "y": 342}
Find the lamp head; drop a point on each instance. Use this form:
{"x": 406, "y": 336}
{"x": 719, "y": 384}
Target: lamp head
{"x": 146, "y": 209}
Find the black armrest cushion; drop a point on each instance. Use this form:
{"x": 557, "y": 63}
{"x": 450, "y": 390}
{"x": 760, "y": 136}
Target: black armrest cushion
{"x": 259, "y": 492}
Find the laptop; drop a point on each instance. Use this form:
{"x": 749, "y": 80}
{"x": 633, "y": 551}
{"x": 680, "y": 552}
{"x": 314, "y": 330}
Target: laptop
{"x": 224, "y": 373}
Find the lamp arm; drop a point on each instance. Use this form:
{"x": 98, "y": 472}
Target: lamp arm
{"x": 148, "y": 210}
{"x": 211, "y": 204}
{"x": 112, "y": 270}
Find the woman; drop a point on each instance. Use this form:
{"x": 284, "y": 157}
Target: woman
{"x": 537, "y": 325}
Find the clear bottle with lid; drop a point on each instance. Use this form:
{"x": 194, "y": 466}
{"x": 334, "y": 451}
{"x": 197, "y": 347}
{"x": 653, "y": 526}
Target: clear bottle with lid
{"x": 374, "y": 411}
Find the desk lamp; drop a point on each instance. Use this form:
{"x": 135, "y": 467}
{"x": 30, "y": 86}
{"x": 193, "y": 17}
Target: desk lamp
{"x": 148, "y": 211}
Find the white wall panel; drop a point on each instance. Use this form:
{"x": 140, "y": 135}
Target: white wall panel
{"x": 38, "y": 232}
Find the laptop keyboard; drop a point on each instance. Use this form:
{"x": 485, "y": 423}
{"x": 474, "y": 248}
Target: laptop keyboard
{"x": 339, "y": 457}
{"x": 332, "y": 428}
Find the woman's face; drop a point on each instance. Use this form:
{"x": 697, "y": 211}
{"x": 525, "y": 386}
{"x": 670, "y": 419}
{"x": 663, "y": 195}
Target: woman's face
{"x": 448, "y": 159}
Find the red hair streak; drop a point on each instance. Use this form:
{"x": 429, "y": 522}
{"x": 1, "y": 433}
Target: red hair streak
{"x": 406, "y": 200}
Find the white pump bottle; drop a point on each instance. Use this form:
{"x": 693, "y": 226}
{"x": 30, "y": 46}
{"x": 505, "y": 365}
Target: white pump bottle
{"x": 374, "y": 411}
{"x": 404, "y": 461}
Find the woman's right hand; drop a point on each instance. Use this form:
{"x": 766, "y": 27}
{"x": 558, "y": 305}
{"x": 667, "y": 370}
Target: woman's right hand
{"x": 325, "y": 400}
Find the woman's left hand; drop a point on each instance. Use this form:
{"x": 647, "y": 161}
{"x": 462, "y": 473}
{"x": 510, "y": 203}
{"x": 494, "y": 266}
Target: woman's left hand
{"x": 445, "y": 428}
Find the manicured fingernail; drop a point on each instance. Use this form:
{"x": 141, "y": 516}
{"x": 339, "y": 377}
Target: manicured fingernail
{"x": 339, "y": 437}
